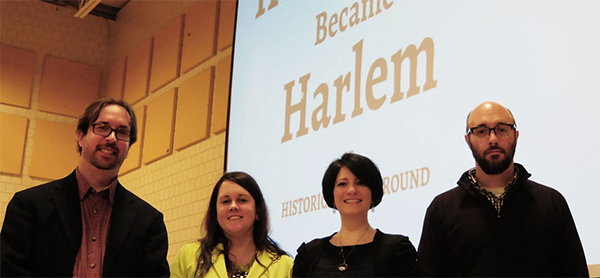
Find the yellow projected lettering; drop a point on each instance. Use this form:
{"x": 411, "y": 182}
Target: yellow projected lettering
{"x": 347, "y": 17}
{"x": 407, "y": 180}
{"x": 378, "y": 73}
{"x": 261, "y": 7}
{"x": 303, "y": 205}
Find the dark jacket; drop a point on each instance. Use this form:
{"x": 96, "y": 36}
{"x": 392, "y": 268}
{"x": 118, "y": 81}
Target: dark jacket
{"x": 534, "y": 235}
{"x": 42, "y": 233}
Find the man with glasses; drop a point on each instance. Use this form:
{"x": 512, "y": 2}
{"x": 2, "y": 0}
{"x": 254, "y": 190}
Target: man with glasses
{"x": 498, "y": 222}
{"x": 87, "y": 224}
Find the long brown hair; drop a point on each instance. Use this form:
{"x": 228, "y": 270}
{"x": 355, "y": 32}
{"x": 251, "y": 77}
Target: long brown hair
{"x": 214, "y": 233}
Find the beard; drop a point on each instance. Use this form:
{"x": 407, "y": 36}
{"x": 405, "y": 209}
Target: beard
{"x": 494, "y": 166}
{"x": 103, "y": 164}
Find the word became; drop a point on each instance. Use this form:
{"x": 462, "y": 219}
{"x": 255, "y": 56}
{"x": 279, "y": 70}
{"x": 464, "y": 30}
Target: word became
{"x": 348, "y": 17}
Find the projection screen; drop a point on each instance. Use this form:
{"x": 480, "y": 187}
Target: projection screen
{"x": 394, "y": 81}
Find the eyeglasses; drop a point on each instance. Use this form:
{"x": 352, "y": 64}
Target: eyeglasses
{"x": 105, "y": 130}
{"x": 501, "y": 130}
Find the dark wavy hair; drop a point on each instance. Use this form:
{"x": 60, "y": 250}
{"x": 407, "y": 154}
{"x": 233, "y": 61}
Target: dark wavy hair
{"x": 92, "y": 112}
{"x": 214, "y": 233}
{"x": 362, "y": 167}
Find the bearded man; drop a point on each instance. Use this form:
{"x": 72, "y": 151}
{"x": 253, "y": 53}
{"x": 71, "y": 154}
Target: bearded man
{"x": 498, "y": 222}
{"x": 87, "y": 224}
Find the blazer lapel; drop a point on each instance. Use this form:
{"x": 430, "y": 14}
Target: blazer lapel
{"x": 218, "y": 267}
{"x": 68, "y": 207}
{"x": 121, "y": 221}
{"x": 257, "y": 270}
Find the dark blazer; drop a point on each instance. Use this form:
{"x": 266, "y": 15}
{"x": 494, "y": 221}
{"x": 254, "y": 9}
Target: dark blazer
{"x": 42, "y": 233}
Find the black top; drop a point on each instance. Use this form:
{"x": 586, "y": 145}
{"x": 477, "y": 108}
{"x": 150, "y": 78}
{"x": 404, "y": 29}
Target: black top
{"x": 386, "y": 256}
{"x": 356, "y": 261}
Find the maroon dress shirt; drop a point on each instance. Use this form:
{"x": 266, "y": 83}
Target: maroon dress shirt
{"x": 96, "y": 207}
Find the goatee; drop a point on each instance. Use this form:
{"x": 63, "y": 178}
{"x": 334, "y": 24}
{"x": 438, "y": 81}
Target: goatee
{"x": 107, "y": 165}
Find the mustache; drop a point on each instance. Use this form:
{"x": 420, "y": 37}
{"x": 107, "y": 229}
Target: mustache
{"x": 494, "y": 148}
{"x": 112, "y": 146}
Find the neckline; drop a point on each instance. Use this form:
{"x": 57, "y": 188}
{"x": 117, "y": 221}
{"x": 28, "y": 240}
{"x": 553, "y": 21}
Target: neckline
{"x": 375, "y": 237}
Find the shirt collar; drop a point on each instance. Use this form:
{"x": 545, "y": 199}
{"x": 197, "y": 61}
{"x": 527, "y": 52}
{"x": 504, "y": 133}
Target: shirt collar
{"x": 85, "y": 187}
{"x": 479, "y": 188}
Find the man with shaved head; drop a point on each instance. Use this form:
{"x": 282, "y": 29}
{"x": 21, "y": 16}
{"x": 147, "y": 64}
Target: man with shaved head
{"x": 498, "y": 222}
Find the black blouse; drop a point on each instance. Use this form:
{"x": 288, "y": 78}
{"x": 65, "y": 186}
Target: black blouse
{"x": 386, "y": 256}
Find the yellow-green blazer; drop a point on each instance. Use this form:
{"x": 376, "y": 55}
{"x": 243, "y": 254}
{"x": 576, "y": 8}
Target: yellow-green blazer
{"x": 185, "y": 263}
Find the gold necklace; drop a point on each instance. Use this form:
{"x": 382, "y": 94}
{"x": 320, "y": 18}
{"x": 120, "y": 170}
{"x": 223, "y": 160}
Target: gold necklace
{"x": 343, "y": 266}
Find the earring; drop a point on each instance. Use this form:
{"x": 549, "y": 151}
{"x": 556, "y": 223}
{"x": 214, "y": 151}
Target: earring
{"x": 333, "y": 210}
{"x": 372, "y": 207}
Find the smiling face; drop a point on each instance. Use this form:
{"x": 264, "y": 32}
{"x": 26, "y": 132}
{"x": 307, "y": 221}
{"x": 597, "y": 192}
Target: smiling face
{"x": 351, "y": 196}
{"x": 236, "y": 210}
{"x": 105, "y": 153}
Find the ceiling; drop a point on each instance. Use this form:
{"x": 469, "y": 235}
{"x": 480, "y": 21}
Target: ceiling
{"x": 106, "y": 8}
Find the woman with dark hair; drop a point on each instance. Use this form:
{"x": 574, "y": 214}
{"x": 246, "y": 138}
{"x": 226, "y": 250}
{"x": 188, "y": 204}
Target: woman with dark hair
{"x": 352, "y": 185}
{"x": 236, "y": 241}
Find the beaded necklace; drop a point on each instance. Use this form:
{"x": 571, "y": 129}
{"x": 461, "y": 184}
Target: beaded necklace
{"x": 236, "y": 271}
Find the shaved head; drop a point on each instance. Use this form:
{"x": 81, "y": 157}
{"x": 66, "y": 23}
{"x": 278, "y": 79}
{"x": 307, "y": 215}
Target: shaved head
{"x": 486, "y": 109}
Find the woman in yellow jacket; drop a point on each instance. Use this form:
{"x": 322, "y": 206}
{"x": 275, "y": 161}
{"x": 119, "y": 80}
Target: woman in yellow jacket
{"x": 236, "y": 242}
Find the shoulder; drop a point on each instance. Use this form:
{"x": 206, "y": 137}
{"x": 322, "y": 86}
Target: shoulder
{"x": 395, "y": 241}
{"x": 125, "y": 196}
{"x": 539, "y": 188}
{"x": 189, "y": 248}
{"x": 391, "y": 237}
{"x": 284, "y": 260}
{"x": 188, "y": 252}
{"x": 276, "y": 266}
{"x": 313, "y": 244}
{"x": 185, "y": 262}
{"x": 395, "y": 254}
{"x": 448, "y": 197}
{"x": 46, "y": 191}
{"x": 284, "y": 264}
{"x": 534, "y": 187}
{"x": 541, "y": 194}
{"x": 39, "y": 191}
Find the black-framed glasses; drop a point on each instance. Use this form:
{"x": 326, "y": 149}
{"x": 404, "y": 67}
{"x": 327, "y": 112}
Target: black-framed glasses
{"x": 501, "y": 130}
{"x": 105, "y": 130}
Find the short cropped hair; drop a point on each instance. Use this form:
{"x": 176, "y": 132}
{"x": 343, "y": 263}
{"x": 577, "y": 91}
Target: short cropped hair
{"x": 363, "y": 168}
{"x": 92, "y": 112}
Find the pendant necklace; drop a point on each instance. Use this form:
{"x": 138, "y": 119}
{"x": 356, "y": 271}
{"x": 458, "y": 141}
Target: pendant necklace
{"x": 343, "y": 266}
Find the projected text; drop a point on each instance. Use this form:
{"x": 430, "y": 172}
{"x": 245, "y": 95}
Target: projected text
{"x": 343, "y": 20}
{"x": 378, "y": 73}
{"x": 403, "y": 181}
